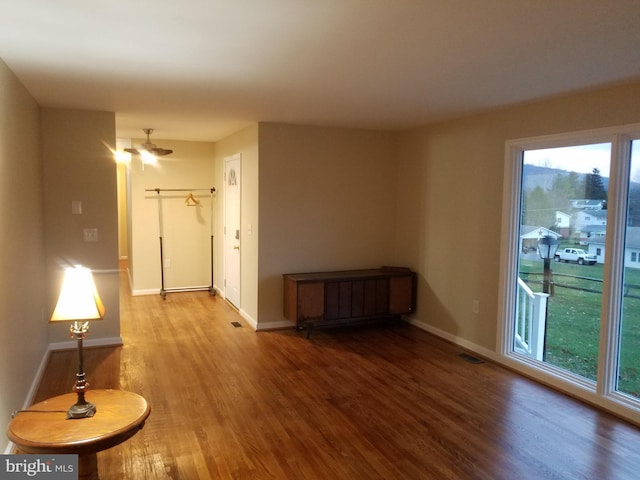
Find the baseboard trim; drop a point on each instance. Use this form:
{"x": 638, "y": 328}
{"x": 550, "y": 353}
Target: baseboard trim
{"x": 461, "y": 342}
{"x": 243, "y": 313}
{"x": 149, "y": 291}
{"x": 31, "y": 394}
{"x": 250, "y": 320}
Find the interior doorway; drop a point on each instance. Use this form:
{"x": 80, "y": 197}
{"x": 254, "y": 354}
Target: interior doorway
{"x": 232, "y": 232}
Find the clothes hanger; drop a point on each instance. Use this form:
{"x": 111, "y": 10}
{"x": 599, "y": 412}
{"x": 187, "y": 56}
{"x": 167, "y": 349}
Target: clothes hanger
{"x": 191, "y": 201}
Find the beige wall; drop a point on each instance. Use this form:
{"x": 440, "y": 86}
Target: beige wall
{"x": 327, "y": 202}
{"x": 186, "y": 231}
{"x": 23, "y": 328}
{"x": 245, "y": 143}
{"x": 48, "y": 158}
{"x": 450, "y": 202}
{"x": 78, "y": 164}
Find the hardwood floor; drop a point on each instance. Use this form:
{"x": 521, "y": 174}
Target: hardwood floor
{"x": 362, "y": 403}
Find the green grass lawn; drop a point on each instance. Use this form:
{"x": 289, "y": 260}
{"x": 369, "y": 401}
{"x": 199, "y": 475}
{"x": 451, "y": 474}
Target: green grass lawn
{"x": 573, "y": 323}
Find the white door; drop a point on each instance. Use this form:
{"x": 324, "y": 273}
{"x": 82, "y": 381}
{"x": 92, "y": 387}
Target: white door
{"x": 232, "y": 229}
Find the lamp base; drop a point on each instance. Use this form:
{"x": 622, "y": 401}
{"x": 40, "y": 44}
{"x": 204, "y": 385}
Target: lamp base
{"x": 81, "y": 410}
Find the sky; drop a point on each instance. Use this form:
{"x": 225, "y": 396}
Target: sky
{"x": 582, "y": 158}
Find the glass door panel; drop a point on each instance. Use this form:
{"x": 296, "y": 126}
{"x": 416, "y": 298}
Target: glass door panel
{"x": 629, "y": 353}
{"x": 563, "y": 205}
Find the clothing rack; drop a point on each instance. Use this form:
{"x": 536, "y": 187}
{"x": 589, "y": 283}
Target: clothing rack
{"x": 158, "y": 191}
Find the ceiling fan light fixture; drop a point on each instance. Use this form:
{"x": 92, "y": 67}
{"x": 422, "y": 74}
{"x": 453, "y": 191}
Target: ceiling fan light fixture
{"x": 148, "y": 149}
{"x": 148, "y": 158}
{"x": 122, "y": 157}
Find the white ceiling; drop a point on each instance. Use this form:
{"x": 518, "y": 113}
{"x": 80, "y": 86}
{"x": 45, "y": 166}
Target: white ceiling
{"x": 203, "y": 69}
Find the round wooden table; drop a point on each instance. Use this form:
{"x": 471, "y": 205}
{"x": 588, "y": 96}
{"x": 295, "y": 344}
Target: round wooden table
{"x": 44, "y": 427}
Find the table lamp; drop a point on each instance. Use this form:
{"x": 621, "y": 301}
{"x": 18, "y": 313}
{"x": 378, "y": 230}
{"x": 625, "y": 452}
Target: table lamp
{"x": 79, "y": 303}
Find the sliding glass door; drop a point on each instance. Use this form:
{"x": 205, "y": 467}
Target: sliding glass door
{"x": 564, "y": 198}
{"x": 571, "y": 262}
{"x": 628, "y": 372}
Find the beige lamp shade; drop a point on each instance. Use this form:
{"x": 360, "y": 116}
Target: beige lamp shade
{"x": 79, "y": 298}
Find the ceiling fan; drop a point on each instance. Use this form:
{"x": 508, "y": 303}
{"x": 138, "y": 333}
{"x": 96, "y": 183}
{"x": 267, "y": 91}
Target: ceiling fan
{"x": 148, "y": 147}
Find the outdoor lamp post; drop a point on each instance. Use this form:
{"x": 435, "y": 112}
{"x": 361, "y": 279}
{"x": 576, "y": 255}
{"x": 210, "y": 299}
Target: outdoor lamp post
{"x": 547, "y": 247}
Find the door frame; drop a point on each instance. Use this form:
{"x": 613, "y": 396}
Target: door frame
{"x": 229, "y": 243}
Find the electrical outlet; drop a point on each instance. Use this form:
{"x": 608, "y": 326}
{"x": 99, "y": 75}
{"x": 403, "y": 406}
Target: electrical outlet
{"x": 90, "y": 234}
{"x": 167, "y": 263}
{"x": 476, "y": 306}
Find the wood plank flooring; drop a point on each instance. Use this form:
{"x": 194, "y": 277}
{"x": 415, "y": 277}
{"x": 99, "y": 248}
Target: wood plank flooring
{"x": 354, "y": 403}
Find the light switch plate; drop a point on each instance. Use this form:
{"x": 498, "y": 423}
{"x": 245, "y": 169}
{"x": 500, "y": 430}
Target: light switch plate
{"x": 76, "y": 207}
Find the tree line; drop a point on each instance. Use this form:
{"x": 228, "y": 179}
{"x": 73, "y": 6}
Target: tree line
{"x": 540, "y": 205}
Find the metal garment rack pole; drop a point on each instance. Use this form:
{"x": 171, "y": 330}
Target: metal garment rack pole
{"x": 163, "y": 290}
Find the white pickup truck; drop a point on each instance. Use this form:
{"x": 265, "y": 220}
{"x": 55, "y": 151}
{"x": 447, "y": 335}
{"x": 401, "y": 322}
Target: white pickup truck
{"x": 575, "y": 255}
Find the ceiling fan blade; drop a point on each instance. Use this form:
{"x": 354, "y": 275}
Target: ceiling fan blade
{"x": 149, "y": 147}
{"x": 161, "y": 152}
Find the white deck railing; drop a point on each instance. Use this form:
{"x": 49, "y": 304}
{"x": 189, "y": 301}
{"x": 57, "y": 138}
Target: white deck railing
{"x": 531, "y": 313}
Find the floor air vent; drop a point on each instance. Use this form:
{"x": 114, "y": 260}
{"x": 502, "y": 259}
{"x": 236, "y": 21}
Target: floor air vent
{"x": 470, "y": 358}
{"x": 236, "y": 324}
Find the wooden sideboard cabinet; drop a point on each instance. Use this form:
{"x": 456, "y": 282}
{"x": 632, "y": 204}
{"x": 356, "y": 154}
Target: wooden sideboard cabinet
{"x": 333, "y": 298}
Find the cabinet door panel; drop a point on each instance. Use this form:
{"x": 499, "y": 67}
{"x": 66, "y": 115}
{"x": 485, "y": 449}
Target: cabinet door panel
{"x": 370, "y": 295}
{"x": 401, "y": 295}
{"x": 290, "y": 302}
{"x": 310, "y": 301}
{"x": 357, "y": 298}
{"x": 345, "y": 299}
{"x": 333, "y": 301}
{"x": 382, "y": 296}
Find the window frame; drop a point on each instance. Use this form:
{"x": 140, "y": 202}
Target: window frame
{"x": 602, "y": 392}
